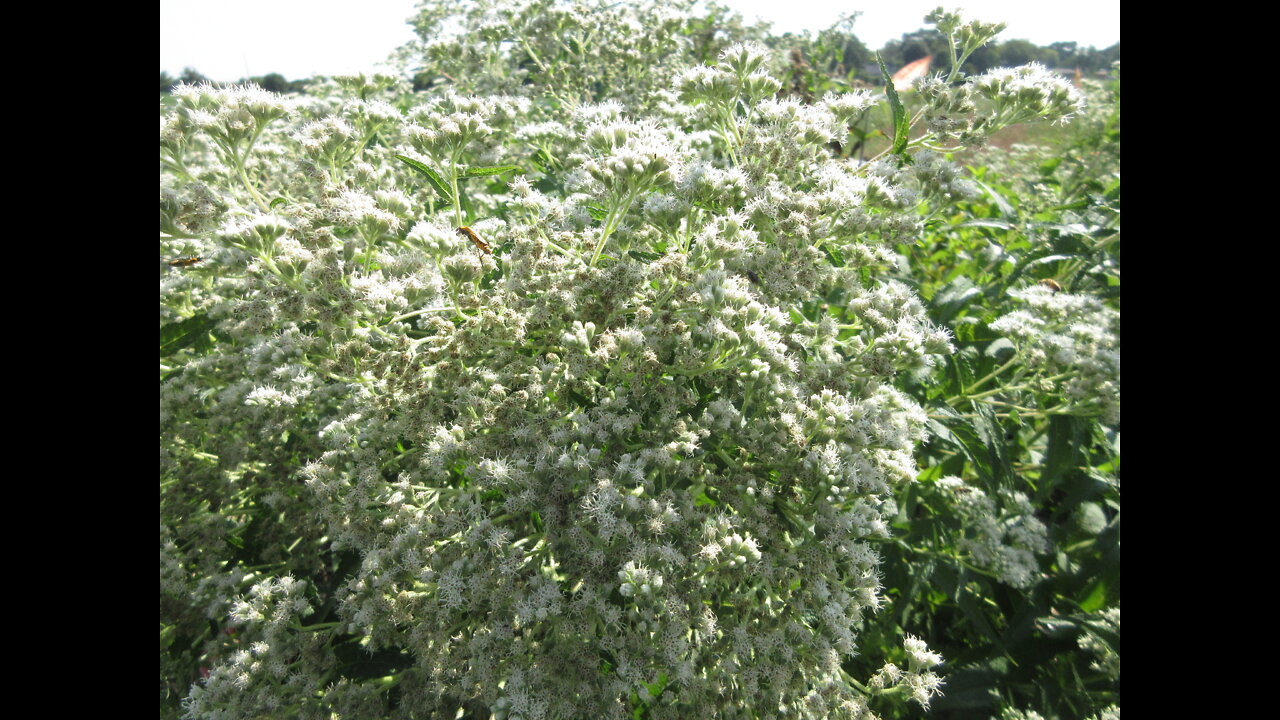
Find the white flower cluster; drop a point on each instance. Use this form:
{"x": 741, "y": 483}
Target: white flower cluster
{"x": 579, "y": 51}
{"x": 1110, "y": 713}
{"x": 1004, "y": 537}
{"x": 249, "y": 676}
{"x": 611, "y": 447}
{"x": 972, "y": 110}
{"x": 1073, "y": 341}
{"x": 228, "y": 115}
{"x": 918, "y": 680}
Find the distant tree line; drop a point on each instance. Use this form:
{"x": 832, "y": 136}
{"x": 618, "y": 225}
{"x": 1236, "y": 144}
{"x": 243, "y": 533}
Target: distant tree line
{"x": 1011, "y": 53}
{"x": 275, "y": 82}
{"x": 838, "y": 53}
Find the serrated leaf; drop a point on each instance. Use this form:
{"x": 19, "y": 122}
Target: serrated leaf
{"x": 1067, "y": 436}
{"x": 971, "y": 445}
{"x": 488, "y": 171}
{"x": 988, "y": 428}
{"x": 901, "y": 125}
{"x": 960, "y": 432}
{"x": 432, "y": 177}
{"x": 938, "y": 430}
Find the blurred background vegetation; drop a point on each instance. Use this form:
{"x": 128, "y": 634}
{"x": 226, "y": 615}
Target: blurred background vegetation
{"x": 833, "y": 58}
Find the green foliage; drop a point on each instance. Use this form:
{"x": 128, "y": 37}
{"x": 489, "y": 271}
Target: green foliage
{"x": 901, "y": 126}
{"x": 1052, "y": 646}
{"x": 437, "y": 183}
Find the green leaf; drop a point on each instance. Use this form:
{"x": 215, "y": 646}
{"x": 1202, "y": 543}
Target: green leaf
{"x": 1048, "y": 259}
{"x": 969, "y": 599}
{"x": 901, "y": 125}
{"x": 971, "y": 692}
{"x": 954, "y": 297}
{"x": 1000, "y": 350}
{"x": 1006, "y": 210}
{"x": 541, "y": 161}
{"x": 989, "y": 432}
{"x": 834, "y": 255}
{"x": 656, "y": 689}
{"x": 1071, "y": 229}
{"x": 1095, "y": 596}
{"x": 597, "y": 213}
{"x": 581, "y": 400}
{"x": 278, "y": 202}
{"x": 644, "y": 257}
{"x": 432, "y": 176}
{"x": 487, "y": 171}
{"x": 1067, "y": 438}
{"x": 987, "y": 223}
{"x": 1104, "y": 632}
{"x": 194, "y": 332}
{"x": 970, "y": 442}
{"x": 167, "y": 634}
{"x": 1057, "y": 627}
{"x": 1048, "y": 166}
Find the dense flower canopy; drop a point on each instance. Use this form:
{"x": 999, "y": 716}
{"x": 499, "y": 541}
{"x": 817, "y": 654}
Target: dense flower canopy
{"x": 568, "y": 389}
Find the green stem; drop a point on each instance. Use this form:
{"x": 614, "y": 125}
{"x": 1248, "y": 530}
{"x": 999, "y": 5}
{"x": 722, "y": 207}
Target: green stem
{"x": 271, "y": 265}
{"x": 611, "y": 223}
{"x": 951, "y": 50}
{"x": 964, "y": 392}
{"x": 563, "y": 251}
{"x": 859, "y": 686}
{"x": 415, "y": 313}
{"x": 244, "y": 178}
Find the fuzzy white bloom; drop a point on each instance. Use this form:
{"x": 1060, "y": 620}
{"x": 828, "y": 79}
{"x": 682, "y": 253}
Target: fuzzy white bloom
{"x": 1029, "y": 92}
{"x": 1077, "y": 335}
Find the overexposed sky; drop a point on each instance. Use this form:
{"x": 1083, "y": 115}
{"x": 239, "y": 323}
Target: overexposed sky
{"x": 231, "y": 39}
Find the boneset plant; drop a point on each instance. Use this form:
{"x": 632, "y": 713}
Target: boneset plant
{"x": 1009, "y": 563}
{"x": 630, "y": 455}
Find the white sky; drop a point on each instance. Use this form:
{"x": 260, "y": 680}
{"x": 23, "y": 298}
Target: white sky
{"x": 231, "y": 39}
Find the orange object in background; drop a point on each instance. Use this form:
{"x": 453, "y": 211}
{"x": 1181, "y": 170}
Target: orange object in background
{"x": 911, "y": 72}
